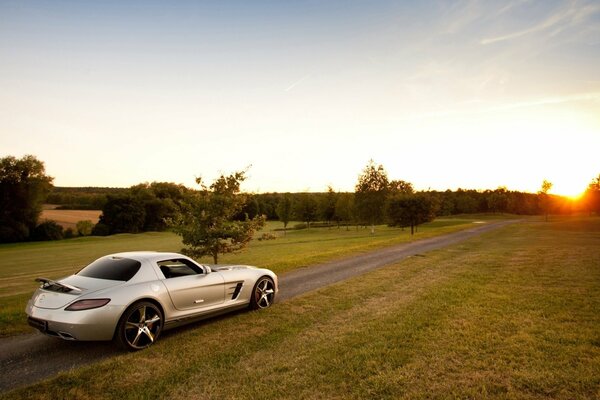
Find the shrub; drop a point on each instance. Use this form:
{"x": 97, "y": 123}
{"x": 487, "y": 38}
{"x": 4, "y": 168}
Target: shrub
{"x": 16, "y": 233}
{"x": 267, "y": 236}
{"x": 47, "y": 230}
{"x": 100, "y": 229}
{"x": 69, "y": 233}
{"x": 84, "y": 228}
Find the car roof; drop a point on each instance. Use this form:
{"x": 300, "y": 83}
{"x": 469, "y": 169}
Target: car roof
{"x": 147, "y": 255}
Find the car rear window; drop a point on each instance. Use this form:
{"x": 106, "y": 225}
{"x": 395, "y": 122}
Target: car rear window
{"x": 113, "y": 268}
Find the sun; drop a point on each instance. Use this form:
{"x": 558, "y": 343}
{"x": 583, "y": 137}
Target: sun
{"x": 571, "y": 188}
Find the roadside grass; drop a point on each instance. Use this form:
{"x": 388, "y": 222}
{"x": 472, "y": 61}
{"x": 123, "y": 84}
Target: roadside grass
{"x": 21, "y": 263}
{"x": 510, "y": 314}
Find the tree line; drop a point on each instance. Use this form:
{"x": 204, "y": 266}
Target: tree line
{"x": 158, "y": 206}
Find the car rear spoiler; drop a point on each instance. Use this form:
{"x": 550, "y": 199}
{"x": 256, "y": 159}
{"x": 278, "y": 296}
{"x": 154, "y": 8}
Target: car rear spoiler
{"x": 54, "y": 286}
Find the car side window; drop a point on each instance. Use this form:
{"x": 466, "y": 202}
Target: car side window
{"x": 179, "y": 267}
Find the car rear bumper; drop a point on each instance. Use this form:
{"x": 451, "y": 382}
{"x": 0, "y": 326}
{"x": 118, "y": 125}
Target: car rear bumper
{"x": 95, "y": 324}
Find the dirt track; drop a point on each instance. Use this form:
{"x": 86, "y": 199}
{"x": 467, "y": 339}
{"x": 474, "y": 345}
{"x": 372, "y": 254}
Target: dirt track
{"x": 27, "y": 359}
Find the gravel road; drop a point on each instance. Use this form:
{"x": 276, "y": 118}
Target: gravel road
{"x": 27, "y": 359}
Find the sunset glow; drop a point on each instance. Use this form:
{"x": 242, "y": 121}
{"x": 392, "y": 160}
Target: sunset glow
{"x": 445, "y": 95}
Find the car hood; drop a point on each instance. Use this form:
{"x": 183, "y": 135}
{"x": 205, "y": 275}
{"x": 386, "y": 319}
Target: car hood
{"x": 46, "y": 298}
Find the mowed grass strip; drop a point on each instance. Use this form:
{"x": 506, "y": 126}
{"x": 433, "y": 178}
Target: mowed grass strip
{"x": 21, "y": 263}
{"x": 511, "y": 314}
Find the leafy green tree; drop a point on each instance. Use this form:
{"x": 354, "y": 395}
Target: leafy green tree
{"x": 24, "y": 186}
{"x": 250, "y": 209}
{"x": 167, "y": 190}
{"x": 544, "y": 198}
{"x": 399, "y": 186}
{"x": 84, "y": 228}
{"x": 447, "y": 205}
{"x": 503, "y": 200}
{"x": 344, "y": 208}
{"x": 327, "y": 205}
{"x": 161, "y": 201}
{"x": 497, "y": 201}
{"x": 465, "y": 202}
{"x": 123, "y": 214}
{"x": 370, "y": 194}
{"x": 412, "y": 210}
{"x": 100, "y": 229}
{"x": 284, "y": 211}
{"x": 158, "y": 213}
{"x": 47, "y": 230}
{"x": 591, "y": 197}
{"x": 207, "y": 225}
{"x": 267, "y": 204}
{"x": 306, "y": 208}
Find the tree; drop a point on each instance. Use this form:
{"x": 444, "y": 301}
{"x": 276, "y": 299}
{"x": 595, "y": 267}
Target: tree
{"x": 447, "y": 204}
{"x": 207, "y": 225}
{"x": 399, "y": 186}
{"x": 305, "y": 208}
{"x": 251, "y": 208}
{"x": 370, "y": 194}
{"x": 84, "y": 228}
{"x": 497, "y": 201}
{"x": 47, "y": 230}
{"x": 161, "y": 202}
{"x": 543, "y": 197}
{"x": 412, "y": 210}
{"x": 327, "y": 205}
{"x": 267, "y": 204}
{"x": 344, "y": 208}
{"x": 123, "y": 214}
{"x": 284, "y": 211}
{"x": 24, "y": 186}
{"x": 465, "y": 202}
{"x": 591, "y": 197}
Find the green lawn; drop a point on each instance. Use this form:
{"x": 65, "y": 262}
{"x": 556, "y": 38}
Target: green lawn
{"x": 513, "y": 314}
{"x": 21, "y": 263}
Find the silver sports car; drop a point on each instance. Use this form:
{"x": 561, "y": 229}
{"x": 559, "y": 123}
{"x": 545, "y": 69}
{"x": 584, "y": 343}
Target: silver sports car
{"x": 131, "y": 297}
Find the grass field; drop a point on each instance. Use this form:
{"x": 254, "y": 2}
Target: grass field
{"x": 513, "y": 314}
{"x": 21, "y": 263}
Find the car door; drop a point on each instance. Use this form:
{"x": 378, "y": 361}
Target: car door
{"x": 192, "y": 286}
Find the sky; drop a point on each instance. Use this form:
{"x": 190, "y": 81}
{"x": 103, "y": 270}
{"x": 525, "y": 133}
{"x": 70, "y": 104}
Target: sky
{"x": 470, "y": 94}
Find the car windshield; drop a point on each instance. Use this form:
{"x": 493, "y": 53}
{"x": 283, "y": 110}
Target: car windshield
{"x": 112, "y": 268}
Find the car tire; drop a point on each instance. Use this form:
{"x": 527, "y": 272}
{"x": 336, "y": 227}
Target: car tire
{"x": 139, "y": 326}
{"x": 263, "y": 293}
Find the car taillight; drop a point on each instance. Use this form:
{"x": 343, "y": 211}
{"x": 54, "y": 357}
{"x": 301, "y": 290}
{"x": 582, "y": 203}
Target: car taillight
{"x": 87, "y": 304}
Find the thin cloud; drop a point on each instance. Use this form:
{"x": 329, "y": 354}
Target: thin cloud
{"x": 549, "y": 22}
{"x": 463, "y": 15}
{"x": 593, "y": 96}
{"x": 558, "y": 22}
{"x": 510, "y": 6}
{"x": 548, "y": 100}
{"x": 299, "y": 81}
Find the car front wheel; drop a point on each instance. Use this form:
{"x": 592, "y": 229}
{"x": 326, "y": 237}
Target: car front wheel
{"x": 139, "y": 326}
{"x": 263, "y": 294}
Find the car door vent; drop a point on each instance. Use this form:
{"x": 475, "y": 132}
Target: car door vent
{"x": 237, "y": 291}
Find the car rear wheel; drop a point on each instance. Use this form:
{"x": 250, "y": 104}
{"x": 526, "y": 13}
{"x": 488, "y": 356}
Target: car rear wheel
{"x": 139, "y": 326}
{"x": 263, "y": 293}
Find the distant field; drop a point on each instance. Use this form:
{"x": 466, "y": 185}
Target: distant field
{"x": 69, "y": 218}
{"x": 21, "y": 263}
{"x": 512, "y": 314}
